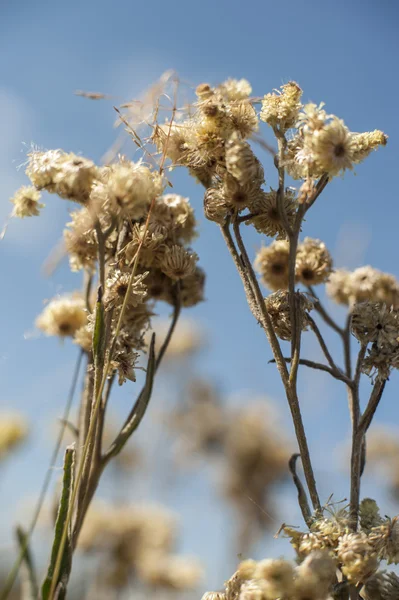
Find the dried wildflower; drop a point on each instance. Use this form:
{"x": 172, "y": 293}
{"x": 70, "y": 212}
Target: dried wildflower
{"x": 68, "y": 175}
{"x": 180, "y": 213}
{"x": 13, "y": 431}
{"x": 272, "y": 263}
{"x": 215, "y": 206}
{"x": 358, "y": 557}
{"x": 369, "y": 514}
{"x": 241, "y": 162}
{"x": 365, "y": 143}
{"x": 281, "y": 109}
{"x": 337, "y": 286}
{"x": 277, "y": 577}
{"x": 379, "y": 361}
{"x": 277, "y": 305}
{"x": 168, "y": 571}
{"x": 81, "y": 241}
{"x": 26, "y": 202}
{"x": 385, "y": 539}
{"x": 246, "y": 569}
{"x": 131, "y": 187}
{"x": 75, "y": 179}
{"x": 243, "y": 118}
{"x": 253, "y": 590}
{"x": 319, "y": 568}
{"x": 84, "y": 338}
{"x": 43, "y": 168}
{"x": 381, "y": 586}
{"x": 367, "y": 283}
{"x": 204, "y": 91}
{"x": 214, "y": 596}
{"x": 239, "y": 196}
{"x": 178, "y": 263}
{"x": 63, "y": 316}
{"x": 375, "y": 322}
{"x": 117, "y": 287}
{"x": 330, "y": 148}
{"x": 234, "y": 89}
{"x": 266, "y": 217}
{"x": 313, "y": 262}
{"x": 171, "y": 140}
{"x": 325, "y": 144}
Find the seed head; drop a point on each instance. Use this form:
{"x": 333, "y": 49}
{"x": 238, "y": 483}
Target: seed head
{"x": 272, "y": 263}
{"x": 26, "y": 202}
{"x": 313, "y": 262}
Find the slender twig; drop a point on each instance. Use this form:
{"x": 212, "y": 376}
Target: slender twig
{"x": 175, "y": 318}
{"x": 320, "y": 186}
{"x": 282, "y": 143}
{"x": 46, "y": 482}
{"x": 290, "y": 390}
{"x": 226, "y": 233}
{"x": 347, "y": 345}
{"x": 260, "y": 302}
{"x": 323, "y": 312}
{"x": 372, "y": 405}
{"x": 302, "y": 498}
{"x": 337, "y": 374}
{"x": 359, "y": 364}
{"x": 324, "y": 347}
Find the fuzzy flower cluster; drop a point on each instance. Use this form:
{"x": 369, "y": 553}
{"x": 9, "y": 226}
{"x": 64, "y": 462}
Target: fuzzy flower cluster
{"x": 322, "y": 144}
{"x": 123, "y": 213}
{"x": 362, "y": 284}
{"x": 358, "y": 554}
{"x": 13, "y": 431}
{"x": 278, "y": 579}
{"x": 278, "y": 307}
{"x": 383, "y": 455}
{"x": 211, "y": 140}
{"x": 313, "y": 263}
{"x": 138, "y": 541}
{"x": 376, "y": 326}
{"x": 254, "y": 456}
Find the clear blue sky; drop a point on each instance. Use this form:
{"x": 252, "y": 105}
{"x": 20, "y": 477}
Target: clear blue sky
{"x": 342, "y": 53}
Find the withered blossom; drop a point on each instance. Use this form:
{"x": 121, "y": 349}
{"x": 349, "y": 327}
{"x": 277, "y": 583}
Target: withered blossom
{"x": 313, "y": 262}
{"x": 26, "y": 202}
{"x": 272, "y": 263}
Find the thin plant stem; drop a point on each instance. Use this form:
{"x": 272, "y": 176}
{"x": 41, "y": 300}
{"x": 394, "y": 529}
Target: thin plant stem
{"x": 323, "y": 312}
{"x": 337, "y": 374}
{"x": 324, "y": 347}
{"x": 11, "y": 578}
{"x": 290, "y": 390}
{"x": 175, "y": 318}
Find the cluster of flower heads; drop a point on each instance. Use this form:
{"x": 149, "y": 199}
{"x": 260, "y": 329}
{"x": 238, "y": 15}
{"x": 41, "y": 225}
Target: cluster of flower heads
{"x": 313, "y": 263}
{"x": 122, "y": 208}
{"x": 329, "y": 557}
{"x": 212, "y": 143}
{"x": 13, "y": 432}
{"x": 279, "y": 579}
{"x": 357, "y": 554}
{"x": 138, "y": 541}
{"x": 376, "y": 326}
{"x": 254, "y": 456}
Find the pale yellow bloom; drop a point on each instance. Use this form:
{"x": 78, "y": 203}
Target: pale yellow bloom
{"x": 26, "y": 202}
{"x": 63, "y": 316}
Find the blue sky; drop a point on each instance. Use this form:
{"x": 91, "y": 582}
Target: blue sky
{"x": 342, "y": 53}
